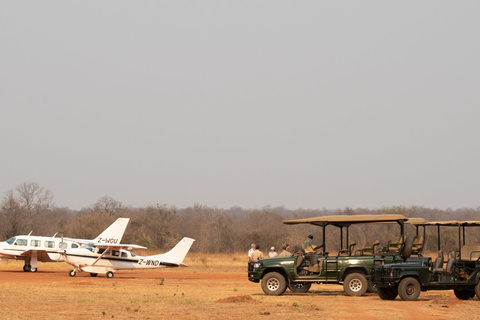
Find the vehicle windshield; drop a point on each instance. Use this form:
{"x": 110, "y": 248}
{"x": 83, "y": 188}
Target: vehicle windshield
{"x": 89, "y": 246}
{"x": 11, "y": 240}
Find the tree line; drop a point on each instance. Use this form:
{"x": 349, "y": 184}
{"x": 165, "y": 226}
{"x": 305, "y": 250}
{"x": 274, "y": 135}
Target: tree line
{"x": 30, "y": 207}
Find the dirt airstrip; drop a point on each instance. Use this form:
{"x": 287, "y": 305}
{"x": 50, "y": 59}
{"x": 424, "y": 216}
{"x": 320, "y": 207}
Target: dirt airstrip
{"x": 207, "y": 290}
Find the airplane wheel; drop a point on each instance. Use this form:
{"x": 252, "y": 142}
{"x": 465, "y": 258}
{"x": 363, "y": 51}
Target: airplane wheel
{"x": 109, "y": 274}
{"x": 72, "y": 273}
{"x": 33, "y": 269}
{"x": 26, "y": 268}
{"x": 93, "y": 274}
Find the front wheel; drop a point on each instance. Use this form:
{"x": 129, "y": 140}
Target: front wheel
{"x": 72, "y": 273}
{"x": 409, "y": 289}
{"x": 465, "y": 294}
{"x": 274, "y": 284}
{"x": 109, "y": 274}
{"x": 301, "y": 287}
{"x": 355, "y": 284}
{"x": 388, "y": 293}
{"x": 93, "y": 274}
{"x": 372, "y": 288}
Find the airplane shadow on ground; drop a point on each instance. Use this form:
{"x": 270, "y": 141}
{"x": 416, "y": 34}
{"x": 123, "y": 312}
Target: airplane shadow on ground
{"x": 21, "y": 271}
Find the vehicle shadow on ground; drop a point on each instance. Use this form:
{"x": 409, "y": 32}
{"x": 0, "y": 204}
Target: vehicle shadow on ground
{"x": 310, "y": 293}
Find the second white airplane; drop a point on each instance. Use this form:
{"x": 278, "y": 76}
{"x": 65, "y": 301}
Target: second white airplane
{"x": 108, "y": 258}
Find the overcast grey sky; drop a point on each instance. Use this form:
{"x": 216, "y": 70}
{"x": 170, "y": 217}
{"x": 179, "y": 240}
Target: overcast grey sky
{"x": 305, "y": 104}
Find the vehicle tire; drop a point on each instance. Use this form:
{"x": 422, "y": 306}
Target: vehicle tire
{"x": 33, "y": 269}
{"x": 464, "y": 294}
{"x": 477, "y": 290}
{"x": 409, "y": 289}
{"x": 301, "y": 287}
{"x": 372, "y": 288}
{"x": 388, "y": 293}
{"x": 72, "y": 273}
{"x": 26, "y": 267}
{"x": 407, "y": 248}
{"x": 109, "y": 274}
{"x": 93, "y": 274}
{"x": 274, "y": 284}
{"x": 355, "y": 284}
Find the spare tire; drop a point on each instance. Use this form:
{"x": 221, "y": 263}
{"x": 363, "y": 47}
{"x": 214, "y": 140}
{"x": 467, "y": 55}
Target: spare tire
{"x": 407, "y": 248}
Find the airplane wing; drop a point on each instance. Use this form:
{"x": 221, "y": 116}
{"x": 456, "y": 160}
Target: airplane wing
{"x": 80, "y": 241}
{"x": 119, "y": 246}
{"x": 42, "y": 255}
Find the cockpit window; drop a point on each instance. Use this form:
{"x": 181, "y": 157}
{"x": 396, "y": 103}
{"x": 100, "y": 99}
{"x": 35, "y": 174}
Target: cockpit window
{"x": 89, "y": 246}
{"x": 11, "y": 240}
{"x": 133, "y": 254}
{"x": 74, "y": 245}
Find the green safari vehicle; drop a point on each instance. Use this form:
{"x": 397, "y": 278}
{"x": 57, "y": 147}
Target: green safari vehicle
{"x": 461, "y": 272}
{"x": 349, "y": 267}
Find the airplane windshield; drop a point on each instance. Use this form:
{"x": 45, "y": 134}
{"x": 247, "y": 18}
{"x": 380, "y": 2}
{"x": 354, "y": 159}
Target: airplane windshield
{"x": 89, "y": 246}
{"x": 11, "y": 240}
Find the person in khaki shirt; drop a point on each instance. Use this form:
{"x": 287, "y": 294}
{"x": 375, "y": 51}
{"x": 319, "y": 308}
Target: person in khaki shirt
{"x": 285, "y": 252}
{"x": 257, "y": 254}
{"x": 310, "y": 248}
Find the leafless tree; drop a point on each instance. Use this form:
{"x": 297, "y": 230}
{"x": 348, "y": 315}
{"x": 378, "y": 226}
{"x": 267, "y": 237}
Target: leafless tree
{"x": 33, "y": 198}
{"x": 11, "y": 215}
{"x": 109, "y": 205}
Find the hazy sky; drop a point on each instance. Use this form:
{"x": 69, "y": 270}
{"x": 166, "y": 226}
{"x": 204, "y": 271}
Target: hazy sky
{"x": 305, "y": 104}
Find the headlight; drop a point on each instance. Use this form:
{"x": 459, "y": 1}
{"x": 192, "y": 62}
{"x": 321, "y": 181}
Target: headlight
{"x": 256, "y": 265}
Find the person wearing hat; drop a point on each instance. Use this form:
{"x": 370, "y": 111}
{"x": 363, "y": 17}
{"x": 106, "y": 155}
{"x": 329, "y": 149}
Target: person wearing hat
{"x": 309, "y": 249}
{"x": 272, "y": 253}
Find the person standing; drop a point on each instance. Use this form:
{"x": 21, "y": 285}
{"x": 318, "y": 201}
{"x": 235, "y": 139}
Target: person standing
{"x": 272, "y": 253}
{"x": 257, "y": 254}
{"x": 252, "y": 249}
{"x": 285, "y": 252}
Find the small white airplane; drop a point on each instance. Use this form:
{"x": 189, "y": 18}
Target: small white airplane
{"x": 107, "y": 258}
{"x": 32, "y": 249}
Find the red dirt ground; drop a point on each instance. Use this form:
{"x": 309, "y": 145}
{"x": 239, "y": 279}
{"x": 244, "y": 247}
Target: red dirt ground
{"x": 193, "y": 293}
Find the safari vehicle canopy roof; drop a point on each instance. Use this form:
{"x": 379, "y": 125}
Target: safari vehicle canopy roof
{"x": 346, "y": 220}
{"x": 451, "y": 223}
{"x": 342, "y": 221}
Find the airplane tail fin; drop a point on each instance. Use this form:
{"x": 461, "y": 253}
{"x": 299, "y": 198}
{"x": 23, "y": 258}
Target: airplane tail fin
{"x": 175, "y": 256}
{"x": 114, "y": 233}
